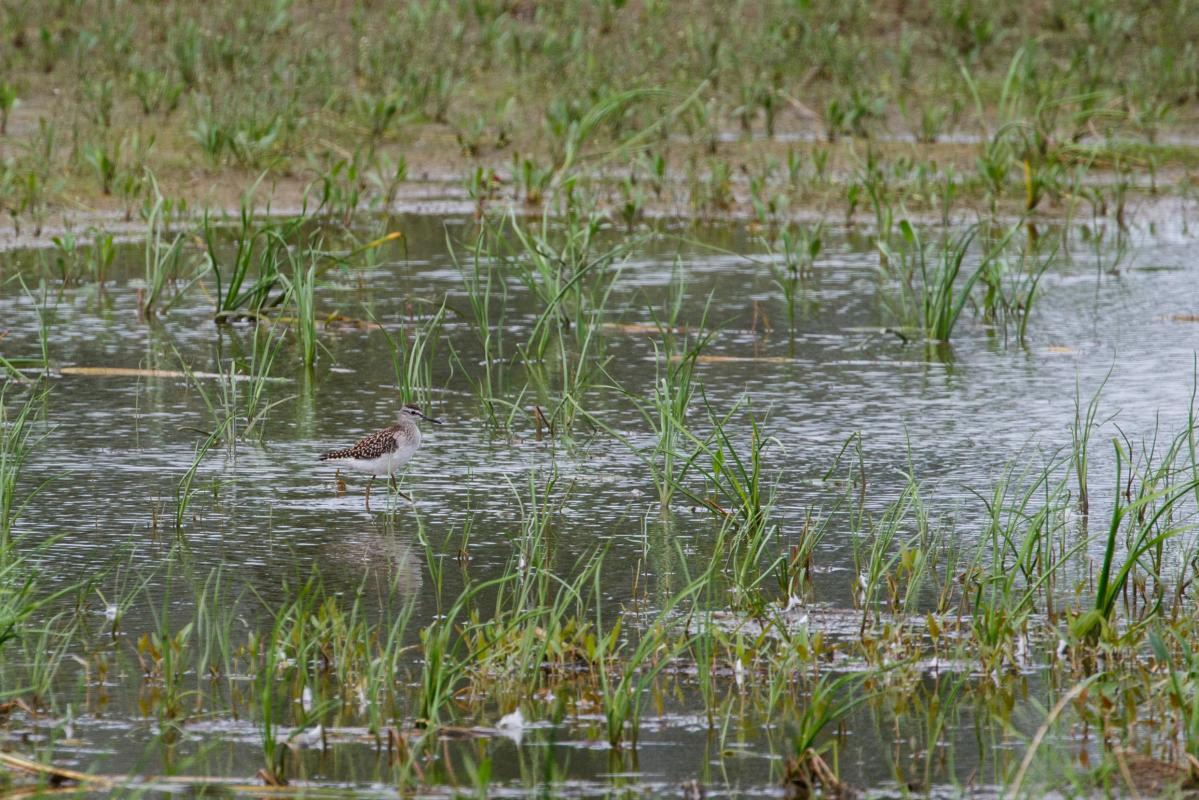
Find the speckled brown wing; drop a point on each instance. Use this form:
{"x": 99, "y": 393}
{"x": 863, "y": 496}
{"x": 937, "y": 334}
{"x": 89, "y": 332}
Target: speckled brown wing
{"x": 367, "y": 448}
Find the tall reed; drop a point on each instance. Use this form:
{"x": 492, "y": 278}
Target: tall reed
{"x": 18, "y": 438}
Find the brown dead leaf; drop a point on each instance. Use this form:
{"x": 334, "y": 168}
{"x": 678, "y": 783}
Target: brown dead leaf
{"x": 637, "y": 328}
{"x": 715, "y": 359}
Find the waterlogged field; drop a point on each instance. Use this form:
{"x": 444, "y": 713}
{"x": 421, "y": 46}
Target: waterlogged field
{"x": 732, "y": 510}
{"x": 818, "y": 382}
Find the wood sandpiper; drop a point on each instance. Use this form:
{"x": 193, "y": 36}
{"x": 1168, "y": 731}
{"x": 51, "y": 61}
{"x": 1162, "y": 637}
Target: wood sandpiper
{"x": 383, "y": 452}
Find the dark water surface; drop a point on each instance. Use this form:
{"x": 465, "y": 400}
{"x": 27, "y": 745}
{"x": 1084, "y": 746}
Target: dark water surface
{"x": 266, "y": 513}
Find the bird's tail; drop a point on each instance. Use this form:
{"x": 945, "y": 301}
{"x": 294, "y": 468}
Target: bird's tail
{"x": 335, "y": 455}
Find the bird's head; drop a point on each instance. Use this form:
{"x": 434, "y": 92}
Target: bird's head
{"x": 414, "y": 411}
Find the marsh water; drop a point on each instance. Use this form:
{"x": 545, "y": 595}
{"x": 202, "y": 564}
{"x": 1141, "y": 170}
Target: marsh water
{"x": 267, "y": 513}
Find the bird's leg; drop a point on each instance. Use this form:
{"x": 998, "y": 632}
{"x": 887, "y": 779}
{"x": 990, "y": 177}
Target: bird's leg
{"x": 368, "y": 492}
{"x": 396, "y": 487}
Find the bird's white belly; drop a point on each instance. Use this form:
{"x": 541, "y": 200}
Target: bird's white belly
{"x": 388, "y": 464}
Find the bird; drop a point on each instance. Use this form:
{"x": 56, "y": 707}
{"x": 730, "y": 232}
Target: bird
{"x": 384, "y": 452}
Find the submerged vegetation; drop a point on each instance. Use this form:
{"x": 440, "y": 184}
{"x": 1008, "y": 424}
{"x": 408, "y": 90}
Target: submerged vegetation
{"x": 1079, "y": 591}
{"x": 942, "y": 627}
{"x": 664, "y": 230}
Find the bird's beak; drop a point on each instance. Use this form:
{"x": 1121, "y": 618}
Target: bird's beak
{"x": 430, "y": 419}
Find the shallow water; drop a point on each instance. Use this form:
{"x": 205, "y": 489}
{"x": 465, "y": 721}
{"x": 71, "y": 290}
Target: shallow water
{"x": 268, "y": 512}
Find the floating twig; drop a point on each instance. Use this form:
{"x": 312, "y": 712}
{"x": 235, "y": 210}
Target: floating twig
{"x": 139, "y": 372}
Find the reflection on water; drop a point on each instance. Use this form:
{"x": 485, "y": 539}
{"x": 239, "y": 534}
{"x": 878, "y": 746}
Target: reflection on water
{"x": 382, "y": 555}
{"x": 267, "y": 512}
